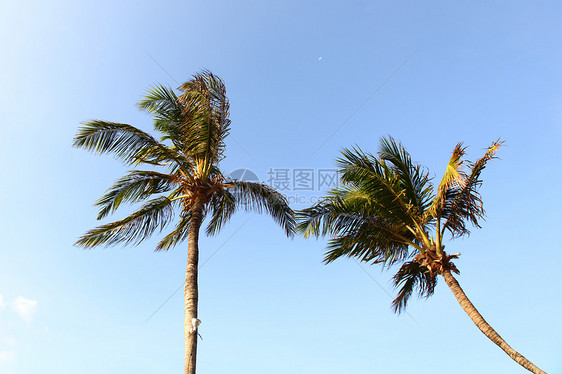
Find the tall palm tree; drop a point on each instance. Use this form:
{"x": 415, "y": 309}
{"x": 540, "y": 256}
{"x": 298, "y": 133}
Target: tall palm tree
{"x": 388, "y": 212}
{"x": 193, "y": 128}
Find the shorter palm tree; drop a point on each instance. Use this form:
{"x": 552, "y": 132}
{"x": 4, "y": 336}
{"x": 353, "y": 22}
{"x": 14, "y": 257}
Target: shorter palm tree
{"x": 388, "y": 212}
{"x": 193, "y": 128}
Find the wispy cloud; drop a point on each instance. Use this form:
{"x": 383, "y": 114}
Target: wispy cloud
{"x": 25, "y": 308}
{"x": 20, "y": 307}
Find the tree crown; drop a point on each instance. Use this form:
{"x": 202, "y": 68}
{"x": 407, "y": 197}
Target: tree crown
{"x": 193, "y": 126}
{"x": 388, "y": 211}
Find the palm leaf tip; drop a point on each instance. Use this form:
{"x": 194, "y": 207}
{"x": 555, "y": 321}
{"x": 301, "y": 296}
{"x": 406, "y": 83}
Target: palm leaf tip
{"x": 130, "y": 144}
{"x": 137, "y": 185}
{"x": 305, "y": 226}
{"x": 180, "y": 233}
{"x": 463, "y": 203}
{"x": 261, "y": 198}
{"x": 413, "y": 180}
{"x": 222, "y": 207}
{"x": 412, "y": 278}
{"x": 496, "y": 145}
{"x": 159, "y": 99}
{"x": 151, "y": 217}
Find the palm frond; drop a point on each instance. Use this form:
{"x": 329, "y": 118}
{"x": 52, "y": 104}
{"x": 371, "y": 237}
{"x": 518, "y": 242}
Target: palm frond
{"x": 355, "y": 165}
{"x": 261, "y": 198}
{"x": 355, "y": 230}
{"x": 152, "y": 216}
{"x": 222, "y": 207}
{"x": 163, "y": 103}
{"x": 381, "y": 184}
{"x": 316, "y": 220}
{"x": 453, "y": 178}
{"x": 177, "y": 236}
{"x": 127, "y": 142}
{"x": 160, "y": 100}
{"x": 375, "y": 246}
{"x": 413, "y": 178}
{"x": 464, "y": 204}
{"x": 410, "y": 278}
{"x": 133, "y": 187}
{"x": 206, "y": 109}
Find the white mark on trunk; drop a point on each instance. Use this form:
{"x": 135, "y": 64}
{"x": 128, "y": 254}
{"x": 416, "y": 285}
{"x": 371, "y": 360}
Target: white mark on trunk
{"x": 195, "y": 322}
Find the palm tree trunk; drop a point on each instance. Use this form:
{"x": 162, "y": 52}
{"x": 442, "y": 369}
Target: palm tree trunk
{"x": 191, "y": 288}
{"x": 486, "y": 329}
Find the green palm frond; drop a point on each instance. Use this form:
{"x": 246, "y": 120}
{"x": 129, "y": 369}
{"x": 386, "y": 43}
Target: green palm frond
{"x": 164, "y": 105}
{"x": 135, "y": 186}
{"x": 160, "y": 100}
{"x": 222, "y": 207}
{"x": 130, "y": 144}
{"x": 355, "y": 165}
{"x": 376, "y": 246}
{"x": 355, "y": 230}
{"x": 317, "y": 220}
{"x": 261, "y": 198}
{"x": 177, "y": 236}
{"x": 410, "y": 278}
{"x": 464, "y": 203}
{"x": 413, "y": 179}
{"x": 207, "y": 109}
{"x": 152, "y": 216}
{"x": 381, "y": 184}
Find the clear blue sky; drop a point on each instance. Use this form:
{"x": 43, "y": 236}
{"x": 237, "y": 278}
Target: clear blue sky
{"x": 295, "y": 72}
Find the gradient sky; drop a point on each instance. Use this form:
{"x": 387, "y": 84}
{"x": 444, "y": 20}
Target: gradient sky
{"x": 428, "y": 73}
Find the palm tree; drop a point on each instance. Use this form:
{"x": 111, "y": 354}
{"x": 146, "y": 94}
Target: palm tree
{"x": 387, "y": 212}
{"x": 193, "y": 126}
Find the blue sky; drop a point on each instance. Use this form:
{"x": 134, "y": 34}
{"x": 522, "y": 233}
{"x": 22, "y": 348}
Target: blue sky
{"x": 436, "y": 73}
